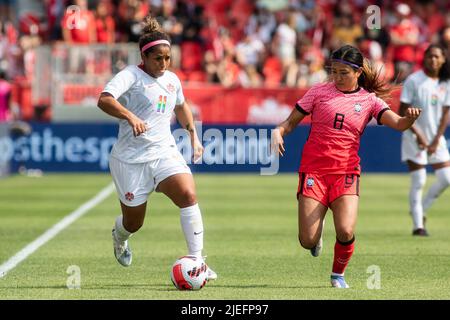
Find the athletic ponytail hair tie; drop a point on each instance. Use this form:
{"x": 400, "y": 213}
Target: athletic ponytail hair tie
{"x": 154, "y": 43}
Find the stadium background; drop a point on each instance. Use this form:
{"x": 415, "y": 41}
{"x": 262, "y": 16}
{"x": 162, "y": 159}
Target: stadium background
{"x": 243, "y": 65}
{"x": 241, "y": 62}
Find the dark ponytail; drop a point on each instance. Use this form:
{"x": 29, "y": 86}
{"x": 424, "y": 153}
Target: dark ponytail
{"x": 370, "y": 79}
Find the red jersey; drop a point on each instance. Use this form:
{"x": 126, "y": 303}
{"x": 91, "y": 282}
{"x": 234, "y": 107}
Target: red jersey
{"x": 338, "y": 120}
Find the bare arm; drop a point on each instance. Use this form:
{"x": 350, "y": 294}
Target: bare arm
{"x": 185, "y": 118}
{"x": 441, "y": 130}
{"x": 111, "y": 106}
{"x": 285, "y": 128}
{"x": 394, "y": 121}
{"x": 421, "y": 140}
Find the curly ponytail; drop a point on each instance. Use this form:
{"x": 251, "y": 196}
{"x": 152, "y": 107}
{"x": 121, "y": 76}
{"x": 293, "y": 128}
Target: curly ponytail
{"x": 151, "y": 31}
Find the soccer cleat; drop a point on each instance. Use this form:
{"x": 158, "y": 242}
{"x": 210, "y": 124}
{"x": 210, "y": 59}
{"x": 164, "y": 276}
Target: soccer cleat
{"x": 339, "y": 282}
{"x": 122, "y": 251}
{"x": 211, "y": 274}
{"x": 422, "y": 232}
{"x": 315, "y": 252}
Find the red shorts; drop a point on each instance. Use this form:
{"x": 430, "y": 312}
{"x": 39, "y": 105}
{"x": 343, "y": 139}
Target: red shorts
{"x": 326, "y": 188}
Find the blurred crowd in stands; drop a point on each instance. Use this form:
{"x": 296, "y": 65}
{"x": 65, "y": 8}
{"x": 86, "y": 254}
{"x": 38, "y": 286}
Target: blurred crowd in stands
{"x": 245, "y": 43}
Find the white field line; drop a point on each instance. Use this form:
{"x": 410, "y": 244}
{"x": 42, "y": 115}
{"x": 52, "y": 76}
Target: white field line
{"x": 53, "y": 231}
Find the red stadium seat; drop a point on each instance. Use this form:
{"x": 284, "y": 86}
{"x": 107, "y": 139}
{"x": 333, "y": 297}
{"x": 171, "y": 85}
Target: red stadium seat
{"x": 191, "y": 56}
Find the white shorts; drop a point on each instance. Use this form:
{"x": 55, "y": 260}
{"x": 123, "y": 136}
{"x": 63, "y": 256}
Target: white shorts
{"x": 136, "y": 181}
{"x": 411, "y": 151}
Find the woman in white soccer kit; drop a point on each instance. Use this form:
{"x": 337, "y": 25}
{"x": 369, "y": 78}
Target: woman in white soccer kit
{"x": 425, "y": 143}
{"x": 145, "y": 157}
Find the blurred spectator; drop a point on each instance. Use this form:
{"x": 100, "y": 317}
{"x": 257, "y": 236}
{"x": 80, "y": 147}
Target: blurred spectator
{"x": 261, "y": 24}
{"x": 429, "y": 19}
{"x": 55, "y": 13}
{"x": 405, "y": 38}
{"x": 5, "y": 98}
{"x": 174, "y": 28}
{"x": 228, "y": 71}
{"x": 250, "y": 51}
{"x": 444, "y": 38}
{"x": 78, "y": 24}
{"x": 286, "y": 40}
{"x": 272, "y": 70}
{"x": 249, "y": 77}
{"x": 346, "y": 31}
{"x": 232, "y": 42}
{"x": 7, "y": 10}
{"x": 11, "y": 61}
{"x": 311, "y": 69}
{"x": 78, "y": 28}
{"x": 130, "y": 15}
{"x": 105, "y": 24}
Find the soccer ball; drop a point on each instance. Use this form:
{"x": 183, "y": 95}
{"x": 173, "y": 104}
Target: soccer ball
{"x": 189, "y": 273}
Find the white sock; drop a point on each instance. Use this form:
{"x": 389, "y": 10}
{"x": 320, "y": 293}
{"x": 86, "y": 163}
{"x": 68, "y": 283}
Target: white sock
{"x": 418, "y": 178}
{"x": 121, "y": 233}
{"x": 442, "y": 182}
{"x": 192, "y": 225}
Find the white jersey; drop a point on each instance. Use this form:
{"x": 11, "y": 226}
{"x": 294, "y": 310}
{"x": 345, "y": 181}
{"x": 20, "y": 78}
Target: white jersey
{"x": 431, "y": 96}
{"x": 152, "y": 100}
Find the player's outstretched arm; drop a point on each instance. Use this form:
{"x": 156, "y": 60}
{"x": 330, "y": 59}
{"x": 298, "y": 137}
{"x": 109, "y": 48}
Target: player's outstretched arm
{"x": 394, "y": 121}
{"x": 111, "y": 106}
{"x": 283, "y": 129}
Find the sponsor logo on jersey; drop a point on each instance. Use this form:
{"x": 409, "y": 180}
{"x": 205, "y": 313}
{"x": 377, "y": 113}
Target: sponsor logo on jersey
{"x": 161, "y": 106}
{"x": 358, "y": 107}
{"x": 310, "y": 182}
{"x": 434, "y": 100}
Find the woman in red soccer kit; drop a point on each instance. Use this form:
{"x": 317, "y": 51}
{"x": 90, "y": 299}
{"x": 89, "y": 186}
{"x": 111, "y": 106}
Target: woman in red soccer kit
{"x": 329, "y": 169}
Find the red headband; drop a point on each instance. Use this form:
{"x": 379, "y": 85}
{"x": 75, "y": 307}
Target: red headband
{"x": 154, "y": 43}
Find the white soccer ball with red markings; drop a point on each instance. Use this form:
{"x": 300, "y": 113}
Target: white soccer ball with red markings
{"x": 189, "y": 273}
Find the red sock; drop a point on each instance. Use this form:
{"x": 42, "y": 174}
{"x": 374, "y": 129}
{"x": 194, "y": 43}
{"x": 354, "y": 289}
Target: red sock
{"x": 342, "y": 254}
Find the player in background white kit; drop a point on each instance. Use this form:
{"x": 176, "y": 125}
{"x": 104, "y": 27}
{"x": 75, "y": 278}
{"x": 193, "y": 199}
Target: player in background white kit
{"x": 424, "y": 143}
{"x": 145, "y": 157}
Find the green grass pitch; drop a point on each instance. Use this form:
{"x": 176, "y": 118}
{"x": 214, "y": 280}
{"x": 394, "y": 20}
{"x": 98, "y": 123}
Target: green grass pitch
{"x": 250, "y": 239}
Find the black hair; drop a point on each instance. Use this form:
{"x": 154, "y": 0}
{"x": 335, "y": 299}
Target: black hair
{"x": 444, "y": 72}
{"x": 370, "y": 78}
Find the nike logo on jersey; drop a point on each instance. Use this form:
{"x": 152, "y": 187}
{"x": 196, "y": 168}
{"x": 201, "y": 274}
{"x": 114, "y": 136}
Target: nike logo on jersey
{"x": 197, "y": 233}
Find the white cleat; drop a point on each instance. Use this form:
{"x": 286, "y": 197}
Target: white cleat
{"x": 122, "y": 251}
{"x": 339, "y": 282}
{"x": 211, "y": 274}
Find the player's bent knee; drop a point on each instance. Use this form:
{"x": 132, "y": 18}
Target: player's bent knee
{"x": 345, "y": 235}
{"x": 307, "y": 243}
{"x": 188, "y": 198}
